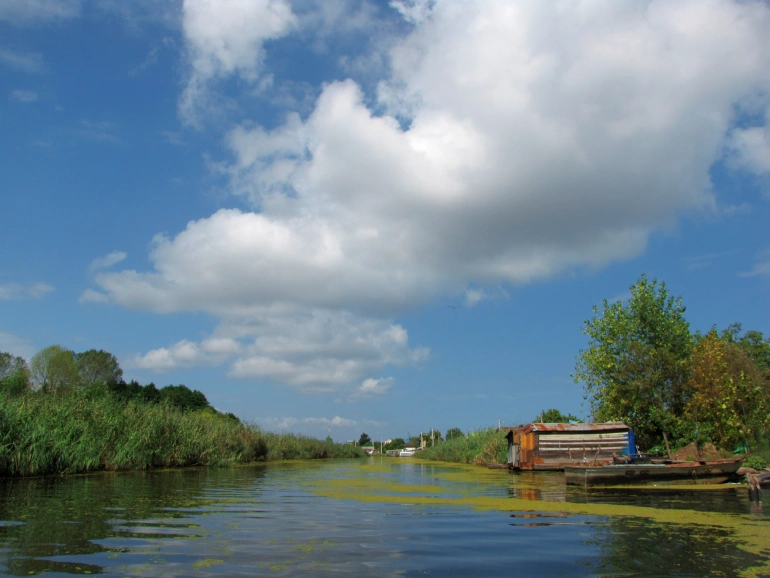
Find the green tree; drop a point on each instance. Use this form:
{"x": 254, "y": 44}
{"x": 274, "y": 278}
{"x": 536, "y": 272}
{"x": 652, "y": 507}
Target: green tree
{"x": 183, "y": 397}
{"x": 395, "y": 444}
{"x": 636, "y": 366}
{"x": 14, "y": 374}
{"x": 454, "y": 433}
{"x": 752, "y": 342}
{"x": 98, "y": 367}
{"x": 730, "y": 404}
{"x": 364, "y": 440}
{"x": 555, "y": 416}
{"x": 54, "y": 369}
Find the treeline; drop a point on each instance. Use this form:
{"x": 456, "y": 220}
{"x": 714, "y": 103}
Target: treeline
{"x": 67, "y": 412}
{"x": 645, "y": 367}
{"x": 59, "y": 371}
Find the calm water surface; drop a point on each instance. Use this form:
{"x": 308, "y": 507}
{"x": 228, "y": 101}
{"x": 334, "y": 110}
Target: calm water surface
{"x": 381, "y": 517}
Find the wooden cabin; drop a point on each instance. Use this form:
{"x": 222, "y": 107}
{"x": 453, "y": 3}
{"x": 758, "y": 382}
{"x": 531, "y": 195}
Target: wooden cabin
{"x": 552, "y": 446}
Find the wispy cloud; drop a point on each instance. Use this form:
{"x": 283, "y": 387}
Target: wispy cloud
{"x": 107, "y": 261}
{"x": 101, "y": 131}
{"x": 624, "y": 296}
{"x": 173, "y": 137}
{"x": 91, "y": 296}
{"x": 706, "y": 259}
{"x": 16, "y": 292}
{"x": 475, "y": 296}
{"x": 149, "y": 61}
{"x": 31, "y": 62}
{"x": 16, "y": 345}
{"x": 28, "y": 12}
{"x": 336, "y": 421}
{"x": 23, "y": 95}
{"x": 284, "y": 423}
{"x": 374, "y": 387}
{"x": 761, "y": 266}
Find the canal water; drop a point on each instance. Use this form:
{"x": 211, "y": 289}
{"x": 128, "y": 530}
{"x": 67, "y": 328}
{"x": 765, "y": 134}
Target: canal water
{"x": 378, "y": 517}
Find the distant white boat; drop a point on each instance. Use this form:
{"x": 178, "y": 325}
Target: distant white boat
{"x": 406, "y": 453}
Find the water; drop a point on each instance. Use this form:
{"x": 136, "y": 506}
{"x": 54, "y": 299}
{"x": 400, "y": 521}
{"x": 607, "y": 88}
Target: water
{"x": 381, "y": 517}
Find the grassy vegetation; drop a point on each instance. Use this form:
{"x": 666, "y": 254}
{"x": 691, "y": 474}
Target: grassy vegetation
{"x": 484, "y": 446}
{"x": 81, "y": 432}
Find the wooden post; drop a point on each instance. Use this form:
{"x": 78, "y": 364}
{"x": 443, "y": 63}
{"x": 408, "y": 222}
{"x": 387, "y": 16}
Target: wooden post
{"x": 668, "y": 449}
{"x": 753, "y": 486}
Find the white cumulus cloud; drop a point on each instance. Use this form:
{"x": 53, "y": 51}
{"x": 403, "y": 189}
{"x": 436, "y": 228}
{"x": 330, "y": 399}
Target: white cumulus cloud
{"x": 510, "y": 141}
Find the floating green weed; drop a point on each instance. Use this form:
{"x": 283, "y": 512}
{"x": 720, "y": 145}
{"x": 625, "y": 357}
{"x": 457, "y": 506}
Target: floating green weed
{"x": 207, "y": 563}
{"x": 464, "y": 486}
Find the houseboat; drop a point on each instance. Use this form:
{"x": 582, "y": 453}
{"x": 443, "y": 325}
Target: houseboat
{"x": 554, "y": 446}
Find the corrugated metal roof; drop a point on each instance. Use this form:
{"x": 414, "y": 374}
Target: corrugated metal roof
{"x": 574, "y": 427}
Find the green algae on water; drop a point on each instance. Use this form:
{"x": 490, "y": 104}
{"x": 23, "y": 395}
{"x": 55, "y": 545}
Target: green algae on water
{"x": 460, "y": 485}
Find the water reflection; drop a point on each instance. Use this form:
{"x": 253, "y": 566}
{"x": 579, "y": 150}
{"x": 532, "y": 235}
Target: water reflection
{"x": 408, "y": 518}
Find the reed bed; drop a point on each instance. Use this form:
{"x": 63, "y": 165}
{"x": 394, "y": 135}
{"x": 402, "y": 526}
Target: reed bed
{"x": 484, "y": 446}
{"x": 46, "y": 434}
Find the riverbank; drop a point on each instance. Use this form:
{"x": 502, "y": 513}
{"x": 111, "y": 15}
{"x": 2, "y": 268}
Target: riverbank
{"x": 480, "y": 447}
{"x": 75, "y": 433}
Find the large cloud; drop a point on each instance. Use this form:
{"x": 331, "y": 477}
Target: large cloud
{"x": 511, "y": 141}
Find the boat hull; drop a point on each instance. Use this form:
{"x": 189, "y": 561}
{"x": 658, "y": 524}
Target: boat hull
{"x": 711, "y": 472}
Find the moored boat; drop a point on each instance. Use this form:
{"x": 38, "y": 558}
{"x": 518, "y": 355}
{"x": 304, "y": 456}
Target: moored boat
{"x": 703, "y": 472}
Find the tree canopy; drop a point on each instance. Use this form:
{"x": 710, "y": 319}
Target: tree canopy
{"x": 554, "y": 416}
{"x": 644, "y": 367}
{"x": 54, "y": 369}
{"x": 364, "y": 440}
{"x": 14, "y": 374}
{"x": 98, "y": 367}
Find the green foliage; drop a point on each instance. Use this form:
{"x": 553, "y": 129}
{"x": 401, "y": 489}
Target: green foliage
{"x": 730, "y": 402}
{"x": 298, "y": 447}
{"x": 54, "y": 369}
{"x": 756, "y": 462}
{"x": 364, "y": 440}
{"x": 14, "y": 374}
{"x": 183, "y": 397}
{"x": 83, "y": 431}
{"x": 554, "y": 416}
{"x": 486, "y": 446}
{"x": 97, "y": 367}
{"x": 453, "y": 433}
{"x": 395, "y": 444}
{"x": 636, "y": 366}
{"x": 753, "y": 343}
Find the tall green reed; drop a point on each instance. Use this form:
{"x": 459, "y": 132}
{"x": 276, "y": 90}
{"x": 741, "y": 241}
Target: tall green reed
{"x": 483, "y": 446}
{"x": 79, "y": 432}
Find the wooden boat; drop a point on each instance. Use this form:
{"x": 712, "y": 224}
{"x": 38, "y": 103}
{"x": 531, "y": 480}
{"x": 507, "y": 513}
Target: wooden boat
{"x": 704, "y": 472}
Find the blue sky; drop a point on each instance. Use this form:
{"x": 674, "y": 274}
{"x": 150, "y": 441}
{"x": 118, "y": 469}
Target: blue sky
{"x": 276, "y": 202}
